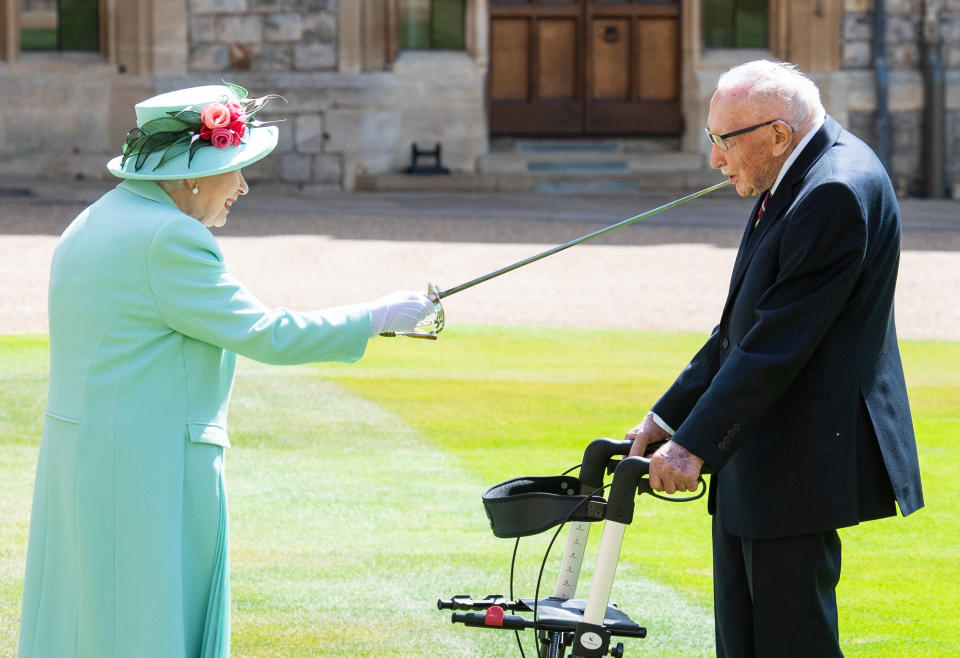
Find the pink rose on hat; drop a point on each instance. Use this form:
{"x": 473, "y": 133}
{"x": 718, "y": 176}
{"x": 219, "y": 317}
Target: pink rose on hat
{"x": 236, "y": 111}
{"x": 239, "y": 129}
{"x": 222, "y": 137}
{"x": 215, "y": 115}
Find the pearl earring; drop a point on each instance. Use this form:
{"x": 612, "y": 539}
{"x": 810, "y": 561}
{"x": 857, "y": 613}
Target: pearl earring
{"x": 195, "y": 190}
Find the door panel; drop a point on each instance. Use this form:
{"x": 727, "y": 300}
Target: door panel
{"x": 610, "y": 50}
{"x": 507, "y": 80}
{"x": 657, "y": 79}
{"x": 556, "y": 56}
{"x": 584, "y": 67}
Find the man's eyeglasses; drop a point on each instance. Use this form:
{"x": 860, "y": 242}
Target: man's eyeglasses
{"x": 719, "y": 140}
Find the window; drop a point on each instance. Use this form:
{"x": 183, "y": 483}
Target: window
{"x": 59, "y": 25}
{"x": 735, "y": 23}
{"x": 430, "y": 24}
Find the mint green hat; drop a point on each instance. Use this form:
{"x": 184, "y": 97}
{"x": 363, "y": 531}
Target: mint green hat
{"x": 195, "y": 132}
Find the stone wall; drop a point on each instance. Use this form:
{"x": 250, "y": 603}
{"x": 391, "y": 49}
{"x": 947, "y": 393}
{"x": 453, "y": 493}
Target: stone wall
{"x": 904, "y": 62}
{"x": 263, "y": 35}
{"x": 243, "y": 39}
{"x": 65, "y": 119}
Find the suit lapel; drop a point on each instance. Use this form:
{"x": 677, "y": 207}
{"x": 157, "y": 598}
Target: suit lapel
{"x": 779, "y": 203}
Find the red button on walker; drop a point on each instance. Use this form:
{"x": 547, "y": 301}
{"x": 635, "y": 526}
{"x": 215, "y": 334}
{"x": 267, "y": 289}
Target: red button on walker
{"x": 494, "y": 616}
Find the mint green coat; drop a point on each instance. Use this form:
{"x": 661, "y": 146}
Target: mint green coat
{"x": 128, "y": 550}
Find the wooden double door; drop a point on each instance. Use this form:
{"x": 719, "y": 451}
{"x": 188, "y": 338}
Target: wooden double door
{"x": 584, "y": 67}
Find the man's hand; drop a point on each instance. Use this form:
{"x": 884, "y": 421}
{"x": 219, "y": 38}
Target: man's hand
{"x": 644, "y": 434}
{"x": 673, "y": 468}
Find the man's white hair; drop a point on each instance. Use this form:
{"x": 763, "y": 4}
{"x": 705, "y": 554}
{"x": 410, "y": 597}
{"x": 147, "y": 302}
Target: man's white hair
{"x": 779, "y": 84}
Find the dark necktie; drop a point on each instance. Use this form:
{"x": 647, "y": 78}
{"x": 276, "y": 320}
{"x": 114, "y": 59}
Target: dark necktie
{"x": 762, "y": 208}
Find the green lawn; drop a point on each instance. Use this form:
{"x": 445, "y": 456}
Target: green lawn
{"x": 354, "y": 495}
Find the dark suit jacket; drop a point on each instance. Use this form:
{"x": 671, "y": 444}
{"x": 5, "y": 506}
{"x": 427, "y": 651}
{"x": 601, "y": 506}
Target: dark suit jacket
{"x": 798, "y": 398}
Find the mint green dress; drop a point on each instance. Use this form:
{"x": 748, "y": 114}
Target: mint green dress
{"x": 128, "y": 552}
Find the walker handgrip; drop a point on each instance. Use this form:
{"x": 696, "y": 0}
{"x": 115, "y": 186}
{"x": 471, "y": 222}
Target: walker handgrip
{"x": 643, "y": 487}
{"x": 596, "y": 457}
{"x": 625, "y": 481}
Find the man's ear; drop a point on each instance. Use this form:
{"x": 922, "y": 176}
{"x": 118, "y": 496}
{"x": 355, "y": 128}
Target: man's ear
{"x": 782, "y": 137}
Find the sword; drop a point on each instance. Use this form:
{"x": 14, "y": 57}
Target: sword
{"x": 435, "y": 294}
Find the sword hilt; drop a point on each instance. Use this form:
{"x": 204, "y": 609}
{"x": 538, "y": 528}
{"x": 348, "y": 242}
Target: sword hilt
{"x": 437, "y": 323}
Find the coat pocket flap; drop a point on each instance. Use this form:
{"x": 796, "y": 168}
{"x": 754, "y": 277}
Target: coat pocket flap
{"x": 203, "y": 433}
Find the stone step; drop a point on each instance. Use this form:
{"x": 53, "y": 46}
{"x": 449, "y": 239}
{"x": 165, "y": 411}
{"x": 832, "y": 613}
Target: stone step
{"x": 577, "y": 166}
{"x": 548, "y": 163}
{"x": 566, "y": 147}
{"x": 571, "y": 145}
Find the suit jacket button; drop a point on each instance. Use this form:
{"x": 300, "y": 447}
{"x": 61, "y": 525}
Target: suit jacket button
{"x": 724, "y": 342}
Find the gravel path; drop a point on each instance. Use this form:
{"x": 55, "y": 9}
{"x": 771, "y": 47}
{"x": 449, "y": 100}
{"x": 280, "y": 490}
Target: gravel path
{"x": 669, "y": 272}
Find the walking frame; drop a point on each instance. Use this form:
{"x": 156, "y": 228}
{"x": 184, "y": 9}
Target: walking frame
{"x": 530, "y": 505}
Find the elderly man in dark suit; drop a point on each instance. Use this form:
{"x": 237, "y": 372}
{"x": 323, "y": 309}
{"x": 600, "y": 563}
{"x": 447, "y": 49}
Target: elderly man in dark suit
{"x": 797, "y": 400}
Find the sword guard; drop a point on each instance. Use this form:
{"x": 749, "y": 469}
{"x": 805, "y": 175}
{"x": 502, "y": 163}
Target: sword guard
{"x": 436, "y": 323}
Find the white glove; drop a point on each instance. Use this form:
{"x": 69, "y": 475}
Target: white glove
{"x": 398, "y": 311}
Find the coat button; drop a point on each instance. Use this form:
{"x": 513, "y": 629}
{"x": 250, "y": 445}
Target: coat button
{"x": 724, "y": 342}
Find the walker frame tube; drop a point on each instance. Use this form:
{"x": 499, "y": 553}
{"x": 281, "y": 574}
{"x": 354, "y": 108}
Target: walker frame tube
{"x": 595, "y": 460}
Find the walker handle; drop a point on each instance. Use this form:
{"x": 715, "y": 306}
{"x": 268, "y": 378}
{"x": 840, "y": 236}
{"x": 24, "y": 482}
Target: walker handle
{"x": 629, "y": 480}
{"x": 595, "y": 460}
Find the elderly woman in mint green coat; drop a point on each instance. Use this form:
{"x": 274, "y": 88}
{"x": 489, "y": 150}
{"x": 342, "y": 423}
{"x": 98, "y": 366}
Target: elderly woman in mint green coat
{"x": 128, "y": 552}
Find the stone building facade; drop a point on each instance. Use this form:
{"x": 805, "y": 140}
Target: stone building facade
{"x": 357, "y": 99}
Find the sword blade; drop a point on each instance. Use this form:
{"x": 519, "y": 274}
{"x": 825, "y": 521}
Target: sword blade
{"x": 441, "y": 294}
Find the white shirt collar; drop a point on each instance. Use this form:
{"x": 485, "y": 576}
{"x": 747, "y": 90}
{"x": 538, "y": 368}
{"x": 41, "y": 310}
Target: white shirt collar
{"x": 796, "y": 153}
